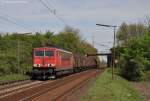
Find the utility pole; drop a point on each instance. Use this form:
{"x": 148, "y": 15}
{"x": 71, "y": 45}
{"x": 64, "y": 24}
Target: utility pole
{"x": 93, "y": 40}
{"x": 114, "y": 44}
{"x": 18, "y": 54}
{"x": 114, "y": 55}
{"x": 18, "y": 51}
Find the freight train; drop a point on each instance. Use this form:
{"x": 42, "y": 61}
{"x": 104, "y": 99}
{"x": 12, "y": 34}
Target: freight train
{"x": 50, "y": 62}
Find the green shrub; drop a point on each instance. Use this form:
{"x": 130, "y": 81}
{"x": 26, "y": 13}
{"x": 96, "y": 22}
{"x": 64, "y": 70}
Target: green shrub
{"x": 135, "y": 58}
{"x": 146, "y": 76}
{"x": 131, "y": 69}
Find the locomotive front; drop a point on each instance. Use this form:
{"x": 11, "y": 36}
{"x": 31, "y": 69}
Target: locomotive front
{"x": 43, "y": 58}
{"x": 43, "y": 62}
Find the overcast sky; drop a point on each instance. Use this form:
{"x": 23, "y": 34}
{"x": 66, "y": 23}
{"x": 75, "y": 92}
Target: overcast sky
{"x": 31, "y": 15}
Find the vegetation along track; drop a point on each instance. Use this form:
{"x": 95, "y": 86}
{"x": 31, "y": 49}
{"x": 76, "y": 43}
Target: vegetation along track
{"x": 54, "y": 88}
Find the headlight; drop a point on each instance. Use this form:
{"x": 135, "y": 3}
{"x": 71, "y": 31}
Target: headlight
{"x": 52, "y": 65}
{"x": 39, "y": 65}
{"x": 35, "y": 65}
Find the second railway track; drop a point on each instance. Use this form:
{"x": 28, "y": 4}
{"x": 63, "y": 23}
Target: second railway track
{"x": 10, "y": 84}
{"x": 17, "y": 87}
{"x": 54, "y": 89}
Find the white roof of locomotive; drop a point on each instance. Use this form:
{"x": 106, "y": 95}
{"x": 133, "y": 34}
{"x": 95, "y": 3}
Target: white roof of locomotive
{"x": 62, "y": 50}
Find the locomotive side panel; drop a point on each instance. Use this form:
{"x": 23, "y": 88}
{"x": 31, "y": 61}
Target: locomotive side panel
{"x": 64, "y": 60}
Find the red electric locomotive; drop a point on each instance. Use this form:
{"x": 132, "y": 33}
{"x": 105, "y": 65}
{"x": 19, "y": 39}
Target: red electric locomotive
{"x": 49, "y": 60}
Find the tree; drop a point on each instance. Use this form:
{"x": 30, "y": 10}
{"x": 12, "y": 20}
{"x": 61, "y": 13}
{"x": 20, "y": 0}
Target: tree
{"x": 127, "y": 31}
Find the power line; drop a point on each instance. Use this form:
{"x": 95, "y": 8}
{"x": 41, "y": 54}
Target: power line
{"x": 102, "y": 45}
{"x": 53, "y": 11}
{"x": 11, "y": 20}
{"x": 58, "y": 16}
{"x": 45, "y": 5}
{"x": 49, "y": 3}
{"x": 52, "y": 2}
{"x": 22, "y": 24}
{"x": 8, "y": 20}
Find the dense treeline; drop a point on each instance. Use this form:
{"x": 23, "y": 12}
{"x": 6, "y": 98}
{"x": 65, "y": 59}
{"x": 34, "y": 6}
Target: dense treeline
{"x": 16, "y": 46}
{"x": 134, "y": 49}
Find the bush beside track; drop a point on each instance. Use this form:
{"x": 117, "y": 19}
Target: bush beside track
{"x": 106, "y": 89}
{"x": 13, "y": 77}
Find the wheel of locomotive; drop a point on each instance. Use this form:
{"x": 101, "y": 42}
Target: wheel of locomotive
{"x": 44, "y": 76}
{"x": 33, "y": 77}
{"x": 75, "y": 70}
{"x": 34, "y": 74}
{"x": 54, "y": 75}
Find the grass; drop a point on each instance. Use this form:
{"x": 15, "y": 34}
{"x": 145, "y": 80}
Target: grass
{"x": 146, "y": 76}
{"x": 13, "y": 77}
{"x": 106, "y": 89}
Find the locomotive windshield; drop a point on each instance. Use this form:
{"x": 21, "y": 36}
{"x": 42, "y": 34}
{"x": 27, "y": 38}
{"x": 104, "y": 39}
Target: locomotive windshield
{"x": 39, "y": 53}
{"x": 44, "y": 53}
{"x": 49, "y": 53}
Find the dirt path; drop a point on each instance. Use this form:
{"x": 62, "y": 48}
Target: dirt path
{"x": 144, "y": 89}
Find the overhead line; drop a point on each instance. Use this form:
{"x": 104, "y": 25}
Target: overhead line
{"x": 11, "y": 20}
{"x": 48, "y": 1}
{"x": 8, "y": 20}
{"x": 47, "y": 7}
{"x": 19, "y": 24}
{"x": 53, "y": 12}
{"x": 102, "y": 45}
{"x": 56, "y": 13}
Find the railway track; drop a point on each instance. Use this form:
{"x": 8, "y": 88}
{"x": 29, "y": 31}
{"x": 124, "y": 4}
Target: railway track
{"x": 68, "y": 89}
{"x": 2, "y": 83}
{"x": 64, "y": 96}
{"x": 17, "y": 87}
{"x": 72, "y": 89}
{"x": 51, "y": 90}
{"x": 9, "y": 84}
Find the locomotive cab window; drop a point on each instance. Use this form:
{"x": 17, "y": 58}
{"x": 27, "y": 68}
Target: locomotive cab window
{"x": 49, "y": 53}
{"x": 39, "y": 53}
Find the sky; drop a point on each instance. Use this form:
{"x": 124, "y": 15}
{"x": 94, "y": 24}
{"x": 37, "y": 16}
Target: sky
{"x": 33, "y": 16}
